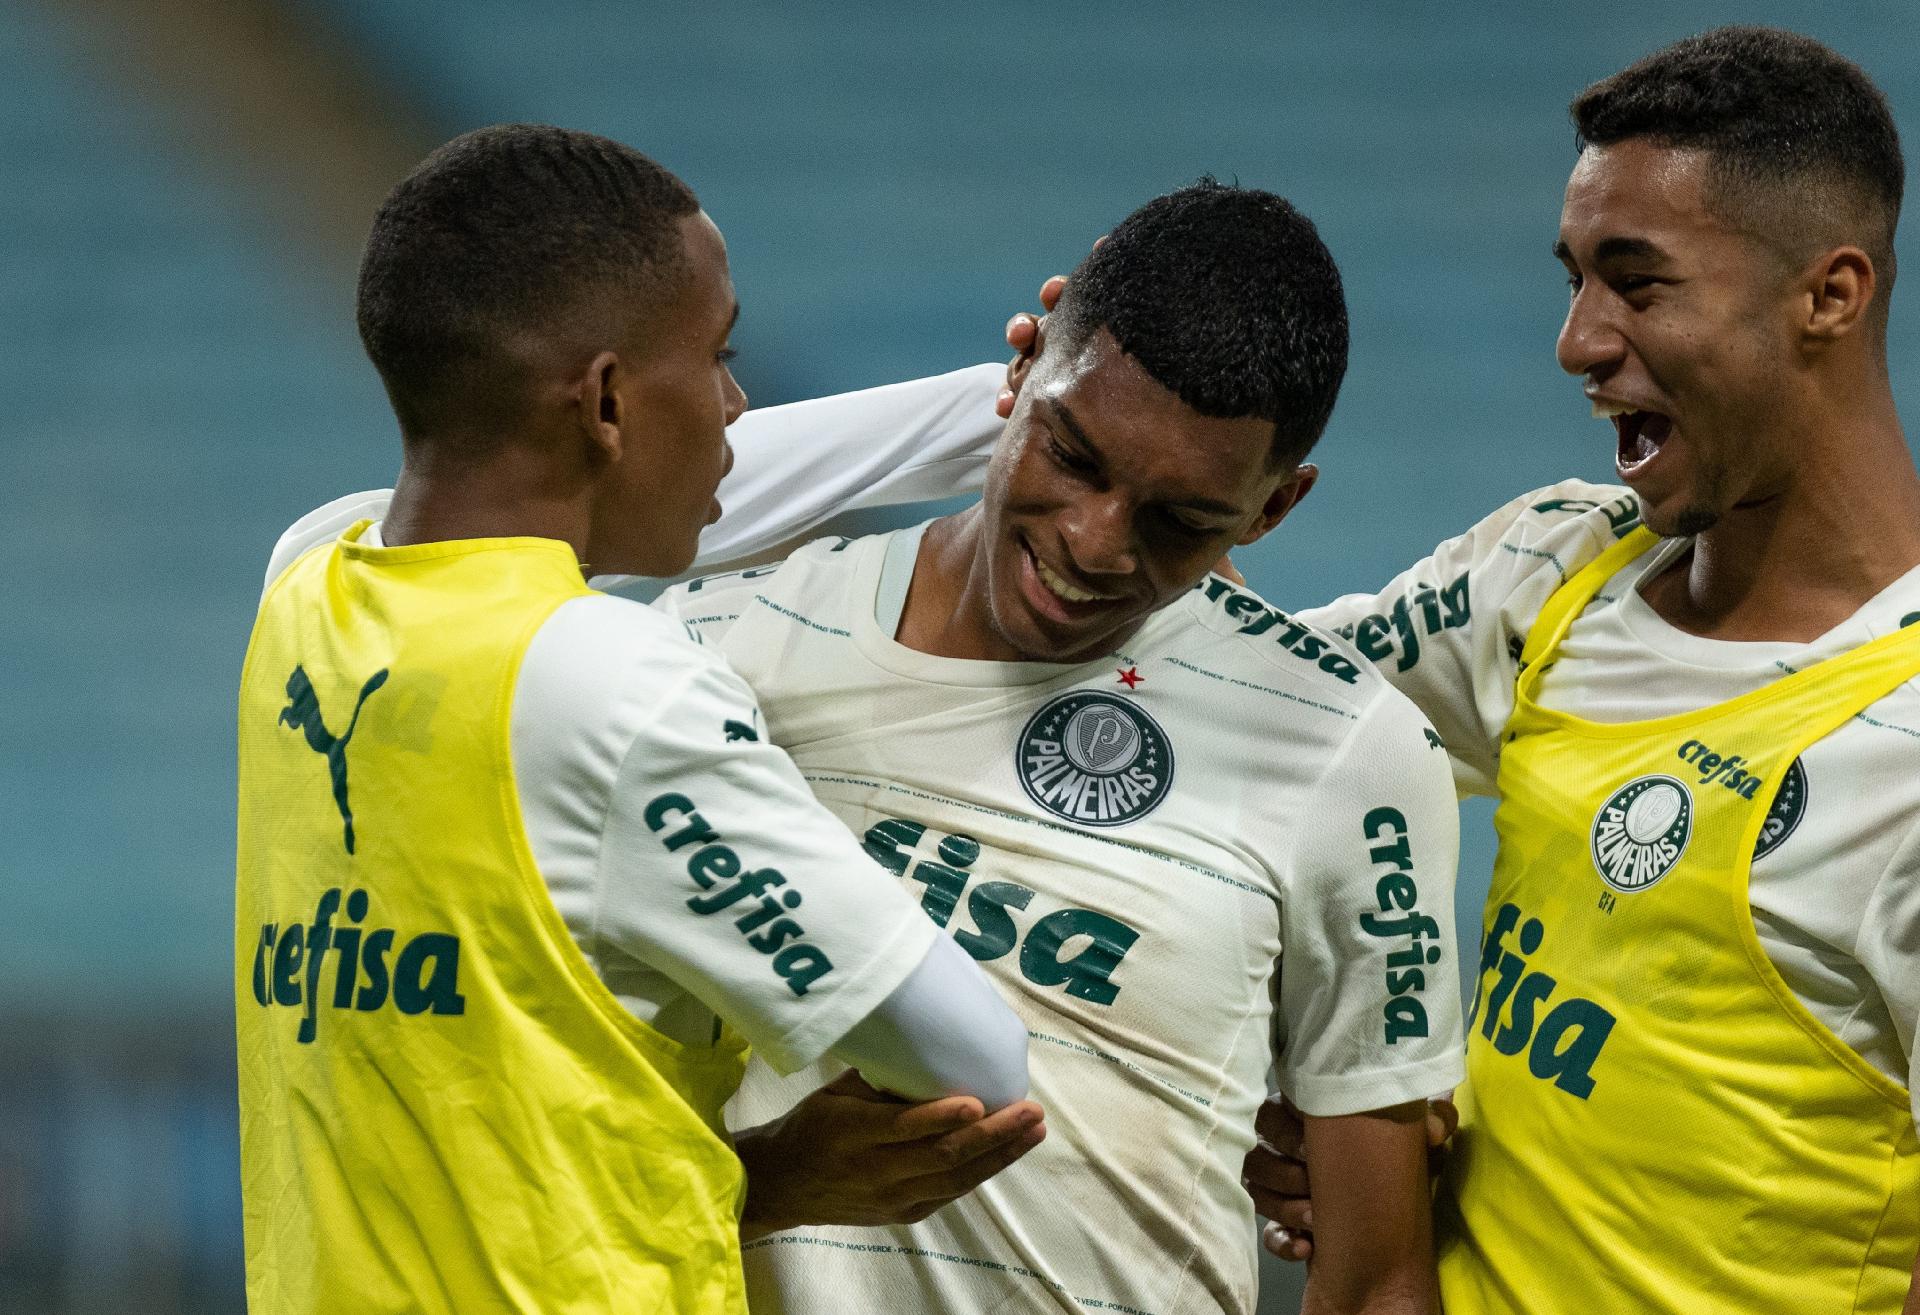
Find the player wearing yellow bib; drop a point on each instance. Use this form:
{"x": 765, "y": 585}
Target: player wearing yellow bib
{"x": 1691, "y": 1057}
{"x": 518, "y": 876}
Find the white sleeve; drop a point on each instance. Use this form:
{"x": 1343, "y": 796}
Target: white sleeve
{"x": 324, "y": 525}
{"x": 1448, "y": 631}
{"x": 720, "y": 869}
{"x": 943, "y": 1032}
{"x": 1890, "y": 952}
{"x": 1369, "y": 1000}
{"x": 796, "y": 465}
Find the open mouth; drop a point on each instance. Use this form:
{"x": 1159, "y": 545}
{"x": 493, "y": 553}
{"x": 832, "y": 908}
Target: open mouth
{"x": 1053, "y": 595}
{"x": 1639, "y": 434}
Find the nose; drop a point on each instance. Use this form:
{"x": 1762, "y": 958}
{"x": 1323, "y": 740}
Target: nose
{"x": 735, "y": 399}
{"x": 1098, "y": 533}
{"x": 1589, "y": 343}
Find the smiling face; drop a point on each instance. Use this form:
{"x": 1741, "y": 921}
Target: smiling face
{"x": 1684, "y": 328}
{"x": 1108, "y": 497}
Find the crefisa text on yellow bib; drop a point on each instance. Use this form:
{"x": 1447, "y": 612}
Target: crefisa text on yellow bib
{"x": 1651, "y": 1121}
{"x": 442, "y": 1108}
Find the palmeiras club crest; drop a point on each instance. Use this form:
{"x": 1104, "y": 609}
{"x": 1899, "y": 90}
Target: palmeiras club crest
{"x": 1789, "y": 806}
{"x": 1641, "y": 831}
{"x": 1094, "y": 759}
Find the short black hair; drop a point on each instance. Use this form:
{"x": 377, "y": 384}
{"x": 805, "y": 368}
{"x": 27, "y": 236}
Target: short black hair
{"x": 1228, "y": 298}
{"x": 1803, "y": 147}
{"x": 507, "y": 234}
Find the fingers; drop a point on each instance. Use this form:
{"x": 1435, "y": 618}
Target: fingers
{"x": 932, "y": 1118}
{"x": 1023, "y": 330}
{"x": 1050, "y": 290}
{"x": 971, "y": 1159}
{"x": 1284, "y": 1244}
{"x": 1280, "y": 1126}
{"x": 1443, "y": 1120}
{"x": 1267, "y": 1169}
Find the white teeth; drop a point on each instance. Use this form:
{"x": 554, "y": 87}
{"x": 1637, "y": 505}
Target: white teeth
{"x": 1058, "y": 586}
{"x": 1604, "y": 410}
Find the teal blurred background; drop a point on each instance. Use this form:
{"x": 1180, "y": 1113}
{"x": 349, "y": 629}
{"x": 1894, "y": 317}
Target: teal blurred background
{"x": 186, "y": 183}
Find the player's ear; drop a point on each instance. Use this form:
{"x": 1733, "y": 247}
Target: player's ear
{"x": 601, "y": 412}
{"x": 1021, "y": 367}
{"x": 1284, "y": 498}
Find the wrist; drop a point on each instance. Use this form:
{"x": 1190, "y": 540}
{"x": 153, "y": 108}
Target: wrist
{"x": 765, "y": 1208}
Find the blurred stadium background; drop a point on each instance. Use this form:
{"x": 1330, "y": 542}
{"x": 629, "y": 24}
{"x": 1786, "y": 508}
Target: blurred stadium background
{"x": 186, "y": 186}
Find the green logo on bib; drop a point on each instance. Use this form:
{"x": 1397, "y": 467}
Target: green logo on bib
{"x": 1640, "y": 833}
{"x": 1094, "y": 759}
{"x": 1789, "y": 806}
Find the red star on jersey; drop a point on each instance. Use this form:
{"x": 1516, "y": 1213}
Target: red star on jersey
{"x": 1131, "y": 677}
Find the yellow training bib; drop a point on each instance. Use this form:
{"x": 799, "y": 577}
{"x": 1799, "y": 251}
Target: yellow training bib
{"x": 1652, "y": 1122}
{"x": 441, "y": 1107}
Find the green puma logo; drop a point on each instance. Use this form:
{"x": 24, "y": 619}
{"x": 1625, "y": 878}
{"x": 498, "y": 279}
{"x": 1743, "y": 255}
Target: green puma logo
{"x": 302, "y": 713}
{"x": 739, "y": 730}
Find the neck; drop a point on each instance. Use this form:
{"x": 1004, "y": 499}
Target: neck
{"x": 947, "y": 612}
{"x": 514, "y": 493}
{"x": 1796, "y": 564}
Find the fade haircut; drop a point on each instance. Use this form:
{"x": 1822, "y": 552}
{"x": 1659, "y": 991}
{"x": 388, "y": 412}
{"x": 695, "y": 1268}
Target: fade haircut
{"x": 504, "y": 242}
{"x": 1227, "y": 297}
{"x": 1802, "y": 149}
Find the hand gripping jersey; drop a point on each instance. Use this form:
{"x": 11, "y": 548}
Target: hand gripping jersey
{"x": 1652, "y": 1121}
{"x": 441, "y": 1107}
{"x": 1127, "y": 846}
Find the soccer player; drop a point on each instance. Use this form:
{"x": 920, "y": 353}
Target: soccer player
{"x": 1172, "y": 821}
{"x": 519, "y": 875}
{"x": 1694, "y": 698}
{"x": 1692, "y": 1049}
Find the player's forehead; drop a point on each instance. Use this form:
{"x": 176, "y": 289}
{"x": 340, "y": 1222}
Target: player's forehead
{"x": 1105, "y": 401}
{"x": 1636, "y": 197}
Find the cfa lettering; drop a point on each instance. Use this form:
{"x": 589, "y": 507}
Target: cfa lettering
{"x": 1402, "y": 1015}
{"x": 1086, "y": 976}
{"x": 1293, "y": 636}
{"x": 1569, "y": 1038}
{"x": 287, "y": 963}
{"x": 763, "y": 926}
{"x": 1712, "y": 767}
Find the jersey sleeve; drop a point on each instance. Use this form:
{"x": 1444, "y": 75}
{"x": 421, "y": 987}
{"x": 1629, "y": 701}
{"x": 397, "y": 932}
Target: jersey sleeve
{"x": 1448, "y": 631}
{"x": 1890, "y": 952}
{"x": 323, "y": 525}
{"x": 719, "y": 869}
{"x": 1369, "y": 1003}
{"x": 796, "y": 465}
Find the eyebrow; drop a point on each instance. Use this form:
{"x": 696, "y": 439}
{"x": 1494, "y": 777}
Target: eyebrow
{"x": 1210, "y": 506}
{"x": 1614, "y": 248}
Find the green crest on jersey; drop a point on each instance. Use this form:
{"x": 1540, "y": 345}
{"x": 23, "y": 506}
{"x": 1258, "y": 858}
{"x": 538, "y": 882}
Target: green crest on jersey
{"x": 1641, "y": 831}
{"x": 1094, "y": 759}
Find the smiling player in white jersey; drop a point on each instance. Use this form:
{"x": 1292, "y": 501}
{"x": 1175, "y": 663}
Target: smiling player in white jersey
{"x": 1130, "y": 789}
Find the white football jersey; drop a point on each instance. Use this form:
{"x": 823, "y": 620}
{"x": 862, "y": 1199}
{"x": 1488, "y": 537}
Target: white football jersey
{"x": 1130, "y": 846}
{"x": 1835, "y": 884}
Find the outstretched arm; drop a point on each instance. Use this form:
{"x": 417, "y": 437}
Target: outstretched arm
{"x": 797, "y": 465}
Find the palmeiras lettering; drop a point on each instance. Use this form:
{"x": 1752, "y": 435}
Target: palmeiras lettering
{"x": 1094, "y": 759}
{"x": 1641, "y": 831}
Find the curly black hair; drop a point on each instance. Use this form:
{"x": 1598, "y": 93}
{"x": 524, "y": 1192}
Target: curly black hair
{"x": 507, "y": 234}
{"x": 1228, "y": 298}
{"x": 1803, "y": 149}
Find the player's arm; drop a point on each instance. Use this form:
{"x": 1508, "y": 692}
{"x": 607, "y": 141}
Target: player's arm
{"x": 1369, "y": 1004}
{"x": 1372, "y": 1216}
{"x": 800, "y": 464}
{"x": 1447, "y": 631}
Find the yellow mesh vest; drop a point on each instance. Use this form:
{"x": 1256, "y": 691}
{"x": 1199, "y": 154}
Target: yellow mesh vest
{"x": 442, "y": 1109}
{"x": 1651, "y": 1121}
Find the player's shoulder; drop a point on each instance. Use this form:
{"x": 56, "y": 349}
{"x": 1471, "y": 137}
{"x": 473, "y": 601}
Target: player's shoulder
{"x": 1573, "y": 512}
{"x": 1231, "y": 632}
{"x": 324, "y": 524}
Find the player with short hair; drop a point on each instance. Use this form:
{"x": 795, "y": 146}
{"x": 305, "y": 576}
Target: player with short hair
{"x": 1174, "y": 823}
{"x": 519, "y": 875}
